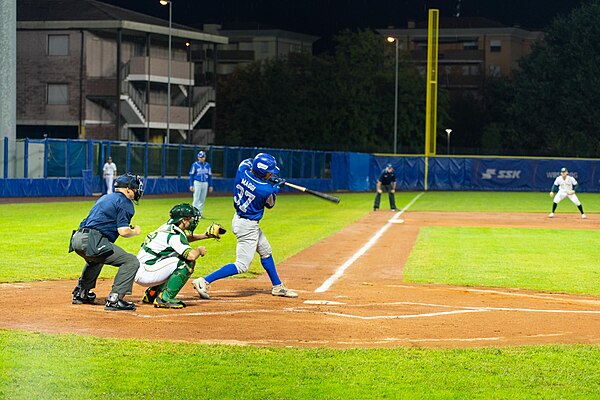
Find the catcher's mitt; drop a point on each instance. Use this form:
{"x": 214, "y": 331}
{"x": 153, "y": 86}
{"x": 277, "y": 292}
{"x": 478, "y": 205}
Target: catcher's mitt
{"x": 215, "y": 231}
{"x": 569, "y": 192}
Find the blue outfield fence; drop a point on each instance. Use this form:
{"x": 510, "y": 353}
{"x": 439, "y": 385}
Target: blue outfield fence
{"x": 58, "y": 167}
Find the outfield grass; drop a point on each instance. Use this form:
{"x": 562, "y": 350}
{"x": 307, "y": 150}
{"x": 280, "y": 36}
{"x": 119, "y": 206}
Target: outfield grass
{"x": 35, "y": 239}
{"x": 539, "y": 259}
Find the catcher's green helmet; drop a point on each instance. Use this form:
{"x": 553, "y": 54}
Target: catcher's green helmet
{"x": 184, "y": 210}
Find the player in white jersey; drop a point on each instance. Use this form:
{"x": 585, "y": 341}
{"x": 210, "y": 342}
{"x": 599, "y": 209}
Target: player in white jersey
{"x": 564, "y": 186}
{"x": 166, "y": 258}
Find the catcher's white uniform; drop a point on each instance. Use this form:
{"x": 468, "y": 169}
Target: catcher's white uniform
{"x": 565, "y": 185}
{"x": 162, "y": 252}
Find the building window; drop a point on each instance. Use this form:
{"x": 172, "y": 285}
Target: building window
{"x": 58, "y": 45}
{"x": 263, "y": 47}
{"x": 470, "y": 45}
{"x": 495, "y": 46}
{"x": 495, "y": 70}
{"x": 58, "y": 93}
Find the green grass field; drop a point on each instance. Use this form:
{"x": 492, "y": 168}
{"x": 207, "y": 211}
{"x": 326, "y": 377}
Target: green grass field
{"x": 32, "y": 365}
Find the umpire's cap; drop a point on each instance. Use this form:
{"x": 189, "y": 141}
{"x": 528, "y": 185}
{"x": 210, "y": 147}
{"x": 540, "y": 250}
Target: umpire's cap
{"x": 201, "y": 154}
{"x": 388, "y": 165}
{"x": 133, "y": 182}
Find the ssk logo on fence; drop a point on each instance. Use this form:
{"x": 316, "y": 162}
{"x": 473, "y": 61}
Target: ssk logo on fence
{"x": 490, "y": 173}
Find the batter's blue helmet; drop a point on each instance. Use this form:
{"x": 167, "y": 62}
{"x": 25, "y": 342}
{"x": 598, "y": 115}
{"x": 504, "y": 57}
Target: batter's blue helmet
{"x": 264, "y": 163}
{"x": 201, "y": 154}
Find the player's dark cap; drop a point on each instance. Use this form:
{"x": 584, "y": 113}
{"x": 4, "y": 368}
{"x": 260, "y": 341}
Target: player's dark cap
{"x": 201, "y": 154}
{"x": 563, "y": 169}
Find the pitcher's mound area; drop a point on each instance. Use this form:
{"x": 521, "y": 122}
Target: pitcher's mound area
{"x": 368, "y": 305}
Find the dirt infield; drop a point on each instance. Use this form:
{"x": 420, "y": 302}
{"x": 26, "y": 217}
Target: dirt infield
{"x": 368, "y": 305}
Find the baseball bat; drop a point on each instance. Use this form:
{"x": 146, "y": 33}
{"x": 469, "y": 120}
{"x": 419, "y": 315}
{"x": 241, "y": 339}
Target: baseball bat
{"x": 324, "y": 196}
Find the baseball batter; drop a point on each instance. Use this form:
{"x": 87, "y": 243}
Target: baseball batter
{"x": 256, "y": 186}
{"x": 109, "y": 218}
{"x": 200, "y": 181}
{"x": 565, "y": 186}
{"x": 166, "y": 258}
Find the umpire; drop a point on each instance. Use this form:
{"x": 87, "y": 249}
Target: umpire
{"x": 387, "y": 180}
{"x": 94, "y": 241}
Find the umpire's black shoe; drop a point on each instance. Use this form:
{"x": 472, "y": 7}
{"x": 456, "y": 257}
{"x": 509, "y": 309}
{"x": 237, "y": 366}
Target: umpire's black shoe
{"x": 113, "y": 303}
{"x": 81, "y": 296}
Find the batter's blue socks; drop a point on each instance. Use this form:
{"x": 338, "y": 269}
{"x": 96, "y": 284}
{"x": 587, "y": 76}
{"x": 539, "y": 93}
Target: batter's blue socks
{"x": 269, "y": 266}
{"x": 223, "y": 272}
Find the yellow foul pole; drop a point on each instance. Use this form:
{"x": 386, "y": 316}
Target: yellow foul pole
{"x": 432, "y": 79}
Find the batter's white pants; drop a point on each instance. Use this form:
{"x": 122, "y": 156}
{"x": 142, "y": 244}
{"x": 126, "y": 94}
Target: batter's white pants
{"x": 250, "y": 240}
{"x": 560, "y": 196}
{"x": 152, "y": 275}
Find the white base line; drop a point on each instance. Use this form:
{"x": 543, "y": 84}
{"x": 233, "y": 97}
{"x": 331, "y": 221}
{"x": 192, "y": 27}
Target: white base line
{"x": 340, "y": 271}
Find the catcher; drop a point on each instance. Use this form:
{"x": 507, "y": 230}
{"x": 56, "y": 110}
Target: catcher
{"x": 166, "y": 258}
{"x": 564, "y": 186}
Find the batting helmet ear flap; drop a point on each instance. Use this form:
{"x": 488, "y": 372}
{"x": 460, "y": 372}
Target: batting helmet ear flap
{"x": 264, "y": 163}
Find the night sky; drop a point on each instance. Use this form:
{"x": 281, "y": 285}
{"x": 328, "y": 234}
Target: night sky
{"x": 326, "y": 17}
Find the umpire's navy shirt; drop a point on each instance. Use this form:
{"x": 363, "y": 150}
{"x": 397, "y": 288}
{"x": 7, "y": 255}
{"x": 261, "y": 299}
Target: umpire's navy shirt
{"x": 386, "y": 177}
{"x": 110, "y": 212}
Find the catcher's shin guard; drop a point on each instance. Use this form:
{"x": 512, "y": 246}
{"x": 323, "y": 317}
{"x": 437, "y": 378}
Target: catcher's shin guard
{"x": 175, "y": 282}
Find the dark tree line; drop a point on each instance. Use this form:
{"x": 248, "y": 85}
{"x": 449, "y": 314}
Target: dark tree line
{"x": 345, "y": 100}
{"x": 339, "y": 101}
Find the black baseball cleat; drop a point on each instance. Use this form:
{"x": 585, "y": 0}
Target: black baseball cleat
{"x": 81, "y": 296}
{"x": 160, "y": 303}
{"x": 149, "y": 296}
{"x": 113, "y": 303}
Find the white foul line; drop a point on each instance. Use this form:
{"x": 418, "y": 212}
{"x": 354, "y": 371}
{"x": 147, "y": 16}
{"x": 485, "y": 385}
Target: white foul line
{"x": 340, "y": 271}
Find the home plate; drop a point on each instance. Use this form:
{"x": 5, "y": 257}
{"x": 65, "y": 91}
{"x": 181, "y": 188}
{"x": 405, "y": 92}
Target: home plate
{"x": 396, "y": 221}
{"x": 322, "y": 302}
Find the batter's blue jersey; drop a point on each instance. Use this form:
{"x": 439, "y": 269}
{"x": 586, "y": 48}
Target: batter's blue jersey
{"x": 251, "y": 194}
{"x": 110, "y": 212}
{"x": 200, "y": 172}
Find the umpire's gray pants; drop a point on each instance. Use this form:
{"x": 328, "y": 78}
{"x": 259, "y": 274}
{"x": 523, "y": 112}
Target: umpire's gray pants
{"x": 127, "y": 263}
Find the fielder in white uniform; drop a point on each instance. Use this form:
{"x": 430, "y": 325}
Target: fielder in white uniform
{"x": 166, "y": 258}
{"x": 564, "y": 186}
{"x": 109, "y": 172}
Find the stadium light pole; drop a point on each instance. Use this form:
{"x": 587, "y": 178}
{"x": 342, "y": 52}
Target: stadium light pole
{"x": 448, "y": 131}
{"x": 395, "y": 40}
{"x": 168, "y": 137}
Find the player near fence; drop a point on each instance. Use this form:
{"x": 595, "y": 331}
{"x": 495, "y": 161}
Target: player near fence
{"x": 387, "y": 181}
{"x": 166, "y": 258}
{"x": 200, "y": 181}
{"x": 256, "y": 186}
{"x": 109, "y": 171}
{"x": 564, "y": 186}
{"x": 94, "y": 241}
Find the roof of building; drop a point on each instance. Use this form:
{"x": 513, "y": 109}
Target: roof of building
{"x": 73, "y": 14}
{"x": 464, "y": 23}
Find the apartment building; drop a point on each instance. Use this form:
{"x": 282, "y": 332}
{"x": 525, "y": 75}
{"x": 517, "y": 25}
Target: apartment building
{"x": 471, "y": 50}
{"x": 249, "y": 42}
{"x": 86, "y": 69}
